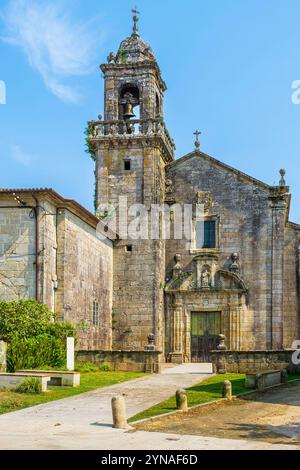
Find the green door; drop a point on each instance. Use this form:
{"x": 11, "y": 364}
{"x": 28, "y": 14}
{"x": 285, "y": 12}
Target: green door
{"x": 205, "y": 328}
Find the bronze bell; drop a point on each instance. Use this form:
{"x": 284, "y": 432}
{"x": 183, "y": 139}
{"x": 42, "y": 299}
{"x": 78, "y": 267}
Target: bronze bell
{"x": 128, "y": 111}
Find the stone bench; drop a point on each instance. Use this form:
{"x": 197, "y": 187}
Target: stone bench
{"x": 11, "y": 381}
{"x": 57, "y": 377}
{"x": 264, "y": 379}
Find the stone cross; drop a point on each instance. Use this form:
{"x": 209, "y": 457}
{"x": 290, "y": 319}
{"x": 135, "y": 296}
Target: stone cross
{"x": 70, "y": 354}
{"x": 197, "y": 143}
{"x": 3, "y": 349}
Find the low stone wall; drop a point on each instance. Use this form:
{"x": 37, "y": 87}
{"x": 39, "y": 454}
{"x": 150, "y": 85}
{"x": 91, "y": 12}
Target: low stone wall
{"x": 129, "y": 361}
{"x": 243, "y": 362}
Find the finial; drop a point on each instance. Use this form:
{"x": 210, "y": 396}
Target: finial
{"x": 282, "y": 181}
{"x": 135, "y": 32}
{"x": 197, "y": 142}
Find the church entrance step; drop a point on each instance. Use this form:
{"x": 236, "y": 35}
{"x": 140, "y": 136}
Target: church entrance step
{"x": 189, "y": 368}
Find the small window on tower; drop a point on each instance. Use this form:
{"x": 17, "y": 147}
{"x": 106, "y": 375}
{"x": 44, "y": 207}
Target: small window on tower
{"x": 128, "y": 248}
{"x": 127, "y": 165}
{"x": 95, "y": 313}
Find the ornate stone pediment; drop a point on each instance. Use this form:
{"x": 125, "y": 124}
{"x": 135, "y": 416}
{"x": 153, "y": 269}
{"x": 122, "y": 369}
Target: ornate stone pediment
{"x": 206, "y": 276}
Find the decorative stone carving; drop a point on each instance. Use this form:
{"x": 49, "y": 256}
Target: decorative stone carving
{"x": 221, "y": 346}
{"x": 206, "y": 278}
{"x": 206, "y": 266}
{"x": 282, "y": 181}
{"x": 235, "y": 266}
{"x": 151, "y": 343}
{"x": 111, "y": 59}
{"x": 204, "y": 199}
{"x": 177, "y": 270}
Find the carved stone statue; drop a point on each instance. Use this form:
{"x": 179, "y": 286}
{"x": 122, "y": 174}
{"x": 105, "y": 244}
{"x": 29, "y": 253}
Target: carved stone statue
{"x": 235, "y": 266}
{"x": 205, "y": 279}
{"x": 111, "y": 59}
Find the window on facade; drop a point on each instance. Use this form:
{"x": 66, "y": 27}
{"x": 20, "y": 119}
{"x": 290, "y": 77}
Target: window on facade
{"x": 127, "y": 165}
{"x": 205, "y": 234}
{"x": 128, "y": 248}
{"x": 95, "y": 313}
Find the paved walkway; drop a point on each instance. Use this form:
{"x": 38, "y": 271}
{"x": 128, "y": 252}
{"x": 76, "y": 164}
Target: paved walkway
{"x": 84, "y": 422}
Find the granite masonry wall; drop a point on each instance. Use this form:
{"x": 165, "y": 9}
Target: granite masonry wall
{"x": 251, "y": 222}
{"x": 134, "y": 361}
{"x": 242, "y": 362}
{"x": 75, "y": 267}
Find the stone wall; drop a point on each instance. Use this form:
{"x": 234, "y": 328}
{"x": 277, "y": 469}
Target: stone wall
{"x": 84, "y": 275}
{"x": 73, "y": 266}
{"x": 242, "y": 362}
{"x": 17, "y": 252}
{"x": 129, "y": 361}
{"x": 139, "y": 274}
{"x": 291, "y": 300}
{"x": 251, "y": 222}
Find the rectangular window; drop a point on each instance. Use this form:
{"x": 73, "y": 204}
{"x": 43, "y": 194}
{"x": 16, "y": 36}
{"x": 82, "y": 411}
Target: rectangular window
{"x": 127, "y": 165}
{"x": 95, "y": 313}
{"x": 206, "y": 234}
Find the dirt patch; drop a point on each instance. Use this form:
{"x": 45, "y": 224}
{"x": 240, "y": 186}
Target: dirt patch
{"x": 273, "y": 416}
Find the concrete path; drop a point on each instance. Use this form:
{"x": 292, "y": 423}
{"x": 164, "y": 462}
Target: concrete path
{"x": 84, "y": 421}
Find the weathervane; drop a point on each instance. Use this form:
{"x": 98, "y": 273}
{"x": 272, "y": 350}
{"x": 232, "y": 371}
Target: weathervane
{"x": 135, "y": 12}
{"x": 197, "y": 142}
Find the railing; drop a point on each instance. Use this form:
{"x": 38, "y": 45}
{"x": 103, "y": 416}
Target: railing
{"x": 130, "y": 128}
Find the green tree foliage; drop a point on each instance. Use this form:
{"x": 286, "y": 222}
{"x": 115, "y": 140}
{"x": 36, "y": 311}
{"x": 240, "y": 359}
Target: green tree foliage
{"x": 34, "y": 338}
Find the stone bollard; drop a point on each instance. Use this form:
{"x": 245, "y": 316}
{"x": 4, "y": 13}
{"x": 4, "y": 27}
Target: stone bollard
{"x": 3, "y": 352}
{"x": 260, "y": 382}
{"x": 227, "y": 389}
{"x": 181, "y": 400}
{"x": 119, "y": 413}
{"x": 284, "y": 376}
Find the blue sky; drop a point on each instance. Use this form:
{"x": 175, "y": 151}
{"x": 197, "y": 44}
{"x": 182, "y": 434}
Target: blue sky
{"x": 229, "y": 66}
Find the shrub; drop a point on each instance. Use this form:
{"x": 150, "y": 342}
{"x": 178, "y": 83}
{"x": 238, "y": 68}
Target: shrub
{"x": 105, "y": 367}
{"x": 29, "y": 385}
{"x": 86, "y": 367}
{"x": 34, "y": 338}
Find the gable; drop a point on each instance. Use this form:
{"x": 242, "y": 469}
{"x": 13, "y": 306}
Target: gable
{"x": 197, "y": 155}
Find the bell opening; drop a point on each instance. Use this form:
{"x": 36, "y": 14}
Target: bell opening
{"x": 129, "y": 103}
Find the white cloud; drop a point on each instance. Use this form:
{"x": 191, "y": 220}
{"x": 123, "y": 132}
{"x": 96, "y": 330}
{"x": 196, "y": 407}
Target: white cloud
{"x": 55, "y": 45}
{"x": 18, "y": 154}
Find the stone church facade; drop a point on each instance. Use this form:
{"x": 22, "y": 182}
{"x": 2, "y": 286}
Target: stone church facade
{"x": 237, "y": 276}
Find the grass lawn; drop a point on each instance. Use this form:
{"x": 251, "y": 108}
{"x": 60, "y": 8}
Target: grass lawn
{"x": 204, "y": 392}
{"x": 12, "y": 401}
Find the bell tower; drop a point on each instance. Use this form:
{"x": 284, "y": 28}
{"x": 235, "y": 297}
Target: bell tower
{"x": 132, "y": 146}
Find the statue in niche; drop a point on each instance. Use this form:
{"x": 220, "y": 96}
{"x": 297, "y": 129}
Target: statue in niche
{"x": 205, "y": 279}
{"x": 235, "y": 265}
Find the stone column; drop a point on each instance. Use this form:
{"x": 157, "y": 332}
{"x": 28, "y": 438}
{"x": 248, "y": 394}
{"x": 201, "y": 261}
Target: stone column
{"x": 177, "y": 352}
{"x": 278, "y": 226}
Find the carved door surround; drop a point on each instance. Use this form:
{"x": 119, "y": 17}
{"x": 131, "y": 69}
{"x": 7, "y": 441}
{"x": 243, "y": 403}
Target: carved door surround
{"x": 207, "y": 288}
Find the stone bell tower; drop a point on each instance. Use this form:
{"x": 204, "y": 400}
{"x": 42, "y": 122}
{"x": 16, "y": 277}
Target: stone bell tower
{"x": 132, "y": 147}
